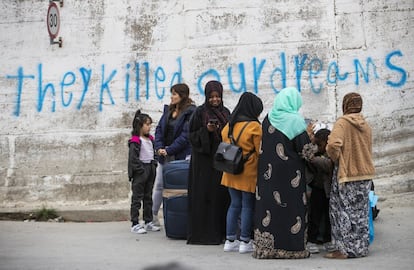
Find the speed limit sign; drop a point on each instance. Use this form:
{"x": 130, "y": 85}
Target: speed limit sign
{"x": 53, "y": 20}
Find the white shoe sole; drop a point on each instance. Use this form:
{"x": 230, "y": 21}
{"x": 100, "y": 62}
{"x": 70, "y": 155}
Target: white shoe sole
{"x": 231, "y": 249}
{"x": 245, "y": 251}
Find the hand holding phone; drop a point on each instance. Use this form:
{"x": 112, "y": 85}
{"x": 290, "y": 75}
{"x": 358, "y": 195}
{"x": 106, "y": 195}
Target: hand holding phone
{"x": 213, "y": 124}
{"x": 213, "y": 121}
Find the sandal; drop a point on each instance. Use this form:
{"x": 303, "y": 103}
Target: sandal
{"x": 335, "y": 255}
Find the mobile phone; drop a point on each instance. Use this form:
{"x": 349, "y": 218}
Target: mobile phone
{"x": 213, "y": 121}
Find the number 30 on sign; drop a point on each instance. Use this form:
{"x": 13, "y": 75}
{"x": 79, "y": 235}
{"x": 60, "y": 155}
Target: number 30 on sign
{"x": 53, "y": 20}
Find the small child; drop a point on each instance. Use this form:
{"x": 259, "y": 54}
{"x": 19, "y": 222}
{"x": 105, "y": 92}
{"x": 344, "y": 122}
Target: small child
{"x": 141, "y": 172}
{"x": 322, "y": 167}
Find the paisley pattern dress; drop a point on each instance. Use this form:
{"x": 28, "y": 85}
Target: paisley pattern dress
{"x": 281, "y": 203}
{"x": 348, "y": 209}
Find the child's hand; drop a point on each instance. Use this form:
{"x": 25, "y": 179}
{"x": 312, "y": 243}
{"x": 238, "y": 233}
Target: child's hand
{"x": 309, "y": 130}
{"x": 162, "y": 152}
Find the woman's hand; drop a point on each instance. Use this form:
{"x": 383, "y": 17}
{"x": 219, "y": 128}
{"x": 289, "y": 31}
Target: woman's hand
{"x": 162, "y": 152}
{"x": 212, "y": 127}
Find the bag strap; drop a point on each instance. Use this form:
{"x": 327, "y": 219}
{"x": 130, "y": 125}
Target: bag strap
{"x": 248, "y": 155}
{"x": 237, "y": 139}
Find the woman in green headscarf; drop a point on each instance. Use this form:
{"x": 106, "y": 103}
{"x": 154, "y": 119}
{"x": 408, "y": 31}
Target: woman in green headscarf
{"x": 280, "y": 216}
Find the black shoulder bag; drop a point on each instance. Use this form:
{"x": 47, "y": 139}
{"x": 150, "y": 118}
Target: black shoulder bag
{"x": 229, "y": 156}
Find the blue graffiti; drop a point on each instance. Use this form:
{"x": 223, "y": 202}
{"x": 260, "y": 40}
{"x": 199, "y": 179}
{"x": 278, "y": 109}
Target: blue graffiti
{"x": 20, "y": 77}
{"x": 242, "y": 72}
{"x": 398, "y": 69}
{"x": 358, "y": 67}
{"x": 256, "y": 73}
{"x": 299, "y": 65}
{"x": 333, "y": 78}
{"x": 282, "y": 71}
{"x": 66, "y": 83}
{"x": 105, "y": 86}
{"x": 127, "y": 78}
{"x": 43, "y": 91}
{"x": 209, "y": 73}
{"x": 155, "y": 79}
{"x": 86, "y": 78}
{"x": 314, "y": 66}
{"x": 313, "y": 72}
{"x": 159, "y": 76}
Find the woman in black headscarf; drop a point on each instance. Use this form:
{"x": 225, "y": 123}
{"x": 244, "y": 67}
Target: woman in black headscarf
{"x": 208, "y": 200}
{"x": 245, "y": 126}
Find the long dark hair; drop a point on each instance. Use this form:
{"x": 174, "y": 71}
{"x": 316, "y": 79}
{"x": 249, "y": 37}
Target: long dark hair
{"x": 184, "y": 92}
{"x": 138, "y": 122}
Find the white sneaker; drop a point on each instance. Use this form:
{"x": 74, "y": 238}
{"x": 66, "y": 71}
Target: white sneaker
{"x": 329, "y": 246}
{"x": 246, "y": 247}
{"x": 138, "y": 229}
{"x": 156, "y": 221}
{"x": 151, "y": 227}
{"x": 312, "y": 248}
{"x": 231, "y": 246}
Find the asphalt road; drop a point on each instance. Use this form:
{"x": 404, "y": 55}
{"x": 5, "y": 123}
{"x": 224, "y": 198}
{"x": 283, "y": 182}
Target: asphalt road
{"x": 110, "y": 245}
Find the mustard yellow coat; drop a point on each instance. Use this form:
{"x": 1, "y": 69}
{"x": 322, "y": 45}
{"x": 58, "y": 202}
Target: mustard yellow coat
{"x": 249, "y": 140}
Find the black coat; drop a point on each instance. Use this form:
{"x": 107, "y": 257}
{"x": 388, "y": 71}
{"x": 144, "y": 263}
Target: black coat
{"x": 135, "y": 165}
{"x": 208, "y": 199}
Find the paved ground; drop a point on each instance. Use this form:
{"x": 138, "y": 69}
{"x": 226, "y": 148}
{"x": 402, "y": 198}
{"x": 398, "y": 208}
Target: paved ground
{"x": 110, "y": 245}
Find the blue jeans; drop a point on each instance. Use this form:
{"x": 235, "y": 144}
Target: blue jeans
{"x": 242, "y": 205}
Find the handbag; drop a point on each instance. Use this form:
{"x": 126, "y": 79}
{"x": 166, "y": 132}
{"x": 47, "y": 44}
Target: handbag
{"x": 229, "y": 156}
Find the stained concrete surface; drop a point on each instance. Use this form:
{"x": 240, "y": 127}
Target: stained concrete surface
{"x": 110, "y": 245}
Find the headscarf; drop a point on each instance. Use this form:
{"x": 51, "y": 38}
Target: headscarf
{"x": 352, "y": 103}
{"x": 284, "y": 114}
{"x": 248, "y": 108}
{"x": 219, "y": 113}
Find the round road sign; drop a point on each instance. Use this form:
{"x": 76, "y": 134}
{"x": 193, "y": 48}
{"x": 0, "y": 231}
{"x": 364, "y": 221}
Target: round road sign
{"x": 53, "y": 20}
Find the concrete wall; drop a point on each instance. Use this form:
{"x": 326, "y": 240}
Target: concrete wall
{"x": 66, "y": 112}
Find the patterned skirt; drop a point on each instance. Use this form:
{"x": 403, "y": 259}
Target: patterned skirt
{"x": 348, "y": 208}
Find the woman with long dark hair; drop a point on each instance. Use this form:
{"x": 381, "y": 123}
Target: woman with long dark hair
{"x": 171, "y": 137}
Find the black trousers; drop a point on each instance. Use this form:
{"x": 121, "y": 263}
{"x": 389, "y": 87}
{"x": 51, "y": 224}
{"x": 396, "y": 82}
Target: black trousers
{"x": 141, "y": 187}
{"x": 319, "y": 224}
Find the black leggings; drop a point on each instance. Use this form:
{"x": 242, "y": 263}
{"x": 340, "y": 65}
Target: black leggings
{"x": 141, "y": 187}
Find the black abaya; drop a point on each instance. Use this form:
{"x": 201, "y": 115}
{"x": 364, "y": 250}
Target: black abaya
{"x": 208, "y": 199}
